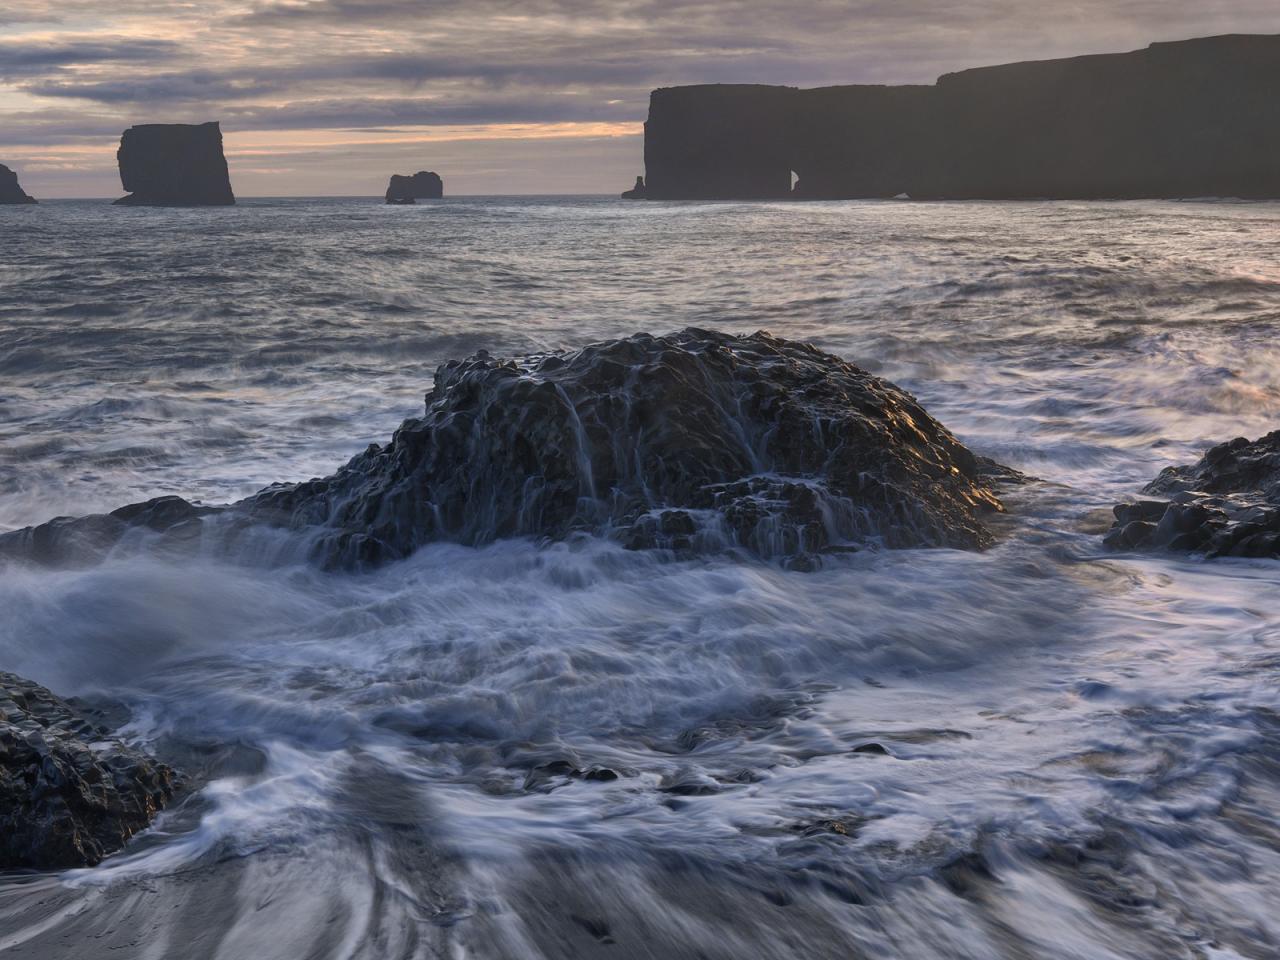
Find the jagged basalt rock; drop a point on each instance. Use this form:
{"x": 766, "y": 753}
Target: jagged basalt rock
{"x": 694, "y": 442}
{"x": 70, "y": 794}
{"x": 174, "y": 165}
{"x": 423, "y": 185}
{"x": 1226, "y": 504}
{"x": 10, "y": 191}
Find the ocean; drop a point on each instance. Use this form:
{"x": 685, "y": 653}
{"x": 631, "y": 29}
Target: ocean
{"x": 1044, "y": 750}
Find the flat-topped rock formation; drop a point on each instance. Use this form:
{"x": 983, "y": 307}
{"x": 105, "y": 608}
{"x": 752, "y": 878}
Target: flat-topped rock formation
{"x": 70, "y": 794}
{"x": 10, "y": 191}
{"x": 1226, "y": 504}
{"x": 694, "y": 442}
{"x": 174, "y": 165}
{"x": 1197, "y": 118}
{"x": 423, "y": 185}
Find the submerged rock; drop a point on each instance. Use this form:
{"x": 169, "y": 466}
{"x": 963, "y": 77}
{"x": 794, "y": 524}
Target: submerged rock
{"x": 423, "y": 185}
{"x": 174, "y": 165}
{"x": 70, "y": 795}
{"x": 10, "y": 191}
{"x": 1226, "y": 504}
{"x": 694, "y": 442}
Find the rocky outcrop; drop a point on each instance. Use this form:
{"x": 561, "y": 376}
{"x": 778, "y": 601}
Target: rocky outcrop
{"x": 1195, "y": 118}
{"x": 1226, "y": 504}
{"x": 694, "y": 441}
{"x": 70, "y": 794}
{"x": 10, "y": 191}
{"x": 637, "y": 192}
{"x": 174, "y": 165}
{"x": 697, "y": 441}
{"x": 423, "y": 185}
{"x": 72, "y": 541}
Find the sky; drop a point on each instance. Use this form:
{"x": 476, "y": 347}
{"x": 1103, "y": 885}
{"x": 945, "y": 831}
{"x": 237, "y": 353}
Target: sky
{"x": 330, "y": 97}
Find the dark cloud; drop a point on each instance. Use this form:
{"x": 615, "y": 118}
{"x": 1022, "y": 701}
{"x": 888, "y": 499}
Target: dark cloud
{"x": 24, "y": 59}
{"x": 165, "y": 88}
{"x": 370, "y": 114}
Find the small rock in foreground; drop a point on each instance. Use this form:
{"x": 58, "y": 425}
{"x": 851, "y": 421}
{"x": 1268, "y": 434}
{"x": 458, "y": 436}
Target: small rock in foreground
{"x": 1225, "y": 505}
{"x": 70, "y": 794}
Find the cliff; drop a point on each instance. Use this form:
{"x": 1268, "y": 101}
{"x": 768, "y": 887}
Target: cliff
{"x": 174, "y": 165}
{"x": 423, "y": 185}
{"x": 1188, "y": 119}
{"x": 10, "y": 191}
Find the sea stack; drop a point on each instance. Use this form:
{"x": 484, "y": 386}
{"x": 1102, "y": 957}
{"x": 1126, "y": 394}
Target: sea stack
{"x": 423, "y": 185}
{"x": 10, "y": 191}
{"x": 174, "y": 165}
{"x": 637, "y": 192}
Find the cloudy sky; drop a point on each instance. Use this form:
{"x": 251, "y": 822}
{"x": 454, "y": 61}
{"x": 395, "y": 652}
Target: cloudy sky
{"x": 541, "y": 96}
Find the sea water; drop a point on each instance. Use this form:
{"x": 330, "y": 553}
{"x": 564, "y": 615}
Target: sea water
{"x": 1041, "y": 751}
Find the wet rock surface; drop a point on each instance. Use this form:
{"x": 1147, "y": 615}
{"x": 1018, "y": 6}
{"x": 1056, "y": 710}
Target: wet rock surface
{"x": 10, "y": 191}
{"x": 174, "y": 165}
{"x": 423, "y": 185}
{"x": 69, "y": 541}
{"x": 1225, "y": 504}
{"x": 70, "y": 794}
{"x": 695, "y": 442}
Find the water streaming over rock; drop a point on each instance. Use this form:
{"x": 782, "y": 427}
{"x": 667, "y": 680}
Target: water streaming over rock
{"x": 524, "y": 748}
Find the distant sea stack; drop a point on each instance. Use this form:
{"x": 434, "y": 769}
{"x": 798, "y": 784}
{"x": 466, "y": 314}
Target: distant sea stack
{"x": 637, "y": 192}
{"x": 1196, "y": 118}
{"x": 10, "y": 191}
{"x": 423, "y": 185}
{"x": 174, "y": 165}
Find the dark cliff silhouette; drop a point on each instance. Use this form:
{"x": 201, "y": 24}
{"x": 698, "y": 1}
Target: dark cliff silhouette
{"x": 638, "y": 192}
{"x": 423, "y": 185}
{"x": 10, "y": 191}
{"x": 1195, "y": 118}
{"x": 174, "y": 165}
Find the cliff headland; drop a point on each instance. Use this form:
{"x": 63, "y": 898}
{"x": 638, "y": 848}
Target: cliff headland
{"x": 1196, "y": 118}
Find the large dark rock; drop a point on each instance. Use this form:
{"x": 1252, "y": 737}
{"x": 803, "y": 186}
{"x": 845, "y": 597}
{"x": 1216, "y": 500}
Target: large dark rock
{"x": 174, "y": 165}
{"x": 1226, "y": 504}
{"x": 698, "y": 441}
{"x": 637, "y": 192}
{"x": 1189, "y": 119}
{"x": 423, "y": 185}
{"x": 70, "y": 794}
{"x": 10, "y": 191}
